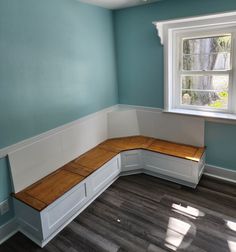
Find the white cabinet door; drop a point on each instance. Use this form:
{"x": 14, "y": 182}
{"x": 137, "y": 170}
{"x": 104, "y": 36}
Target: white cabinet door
{"x": 176, "y": 168}
{"x": 131, "y": 160}
{"x": 104, "y": 175}
{"x": 58, "y": 213}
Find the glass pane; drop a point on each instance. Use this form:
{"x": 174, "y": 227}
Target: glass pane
{"x": 205, "y": 82}
{"x": 207, "y": 45}
{"x": 217, "y": 100}
{"x": 208, "y": 91}
{"x": 207, "y": 53}
{"x": 207, "y": 62}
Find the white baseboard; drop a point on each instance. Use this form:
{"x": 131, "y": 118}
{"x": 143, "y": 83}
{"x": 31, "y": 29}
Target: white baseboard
{"x": 220, "y": 173}
{"x": 8, "y": 229}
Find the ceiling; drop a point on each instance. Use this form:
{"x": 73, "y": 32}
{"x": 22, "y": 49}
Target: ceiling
{"x": 118, "y": 4}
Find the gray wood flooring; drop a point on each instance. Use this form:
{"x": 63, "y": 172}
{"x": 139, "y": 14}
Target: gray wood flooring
{"x": 143, "y": 213}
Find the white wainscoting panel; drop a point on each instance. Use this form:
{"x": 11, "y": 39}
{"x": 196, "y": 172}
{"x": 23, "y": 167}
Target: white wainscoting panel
{"x": 123, "y": 122}
{"x": 35, "y": 161}
{"x": 135, "y": 120}
{"x": 31, "y": 162}
{"x": 84, "y": 136}
{"x": 176, "y": 128}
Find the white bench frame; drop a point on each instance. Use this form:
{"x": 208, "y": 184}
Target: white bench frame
{"x": 42, "y": 226}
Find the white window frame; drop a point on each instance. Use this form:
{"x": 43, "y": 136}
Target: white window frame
{"x": 170, "y": 33}
{"x": 177, "y": 58}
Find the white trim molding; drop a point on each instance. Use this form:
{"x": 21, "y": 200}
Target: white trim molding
{"x": 19, "y": 145}
{"x": 197, "y": 21}
{"x": 36, "y": 158}
{"x": 209, "y": 116}
{"x": 8, "y": 229}
{"x": 137, "y": 120}
{"x": 228, "y": 119}
{"x": 220, "y": 173}
{"x": 171, "y": 33}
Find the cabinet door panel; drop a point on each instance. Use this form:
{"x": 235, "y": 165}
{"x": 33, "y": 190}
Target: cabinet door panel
{"x": 104, "y": 175}
{"x": 57, "y": 214}
{"x": 131, "y": 160}
{"x": 169, "y": 166}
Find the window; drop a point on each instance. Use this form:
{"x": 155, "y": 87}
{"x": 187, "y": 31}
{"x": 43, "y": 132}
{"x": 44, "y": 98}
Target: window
{"x": 204, "y": 72}
{"x": 200, "y": 60}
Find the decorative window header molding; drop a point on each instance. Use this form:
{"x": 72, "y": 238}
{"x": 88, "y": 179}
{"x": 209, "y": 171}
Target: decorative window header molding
{"x": 221, "y": 19}
{"x": 172, "y": 33}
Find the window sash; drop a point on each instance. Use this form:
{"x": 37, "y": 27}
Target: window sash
{"x": 179, "y": 89}
{"x": 179, "y": 72}
{"x": 204, "y": 73}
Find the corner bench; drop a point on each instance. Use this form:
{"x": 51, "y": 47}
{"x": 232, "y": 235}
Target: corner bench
{"x": 47, "y": 206}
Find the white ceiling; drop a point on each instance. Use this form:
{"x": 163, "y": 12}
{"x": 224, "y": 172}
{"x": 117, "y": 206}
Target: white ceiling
{"x": 118, "y": 4}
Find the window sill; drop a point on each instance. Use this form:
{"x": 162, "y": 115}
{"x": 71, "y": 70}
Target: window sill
{"x": 221, "y": 117}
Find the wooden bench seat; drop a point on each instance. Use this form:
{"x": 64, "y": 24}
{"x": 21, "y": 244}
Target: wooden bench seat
{"x": 127, "y": 143}
{"x": 44, "y": 192}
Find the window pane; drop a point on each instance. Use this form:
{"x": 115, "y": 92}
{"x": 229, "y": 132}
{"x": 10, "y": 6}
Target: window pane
{"x": 205, "y": 82}
{"x": 207, "y": 91}
{"x": 217, "y": 100}
{"x": 207, "y": 62}
{"x": 207, "y": 45}
{"x": 207, "y": 53}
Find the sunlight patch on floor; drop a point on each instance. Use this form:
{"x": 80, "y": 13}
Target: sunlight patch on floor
{"x": 187, "y": 211}
{"x": 232, "y": 245}
{"x": 176, "y": 231}
{"x": 231, "y": 225}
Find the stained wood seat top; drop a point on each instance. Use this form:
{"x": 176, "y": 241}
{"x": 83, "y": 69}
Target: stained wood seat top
{"x": 50, "y": 188}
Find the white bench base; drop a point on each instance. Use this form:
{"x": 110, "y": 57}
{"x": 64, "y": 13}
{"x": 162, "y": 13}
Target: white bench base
{"x": 42, "y": 226}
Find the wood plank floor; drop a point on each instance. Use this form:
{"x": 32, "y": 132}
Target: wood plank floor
{"x": 143, "y": 213}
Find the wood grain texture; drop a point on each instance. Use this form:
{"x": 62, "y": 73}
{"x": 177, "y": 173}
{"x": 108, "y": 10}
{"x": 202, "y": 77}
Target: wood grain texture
{"x": 95, "y": 158}
{"x": 78, "y": 169}
{"x": 50, "y": 188}
{"x": 147, "y": 143}
{"x": 177, "y": 150}
{"x": 30, "y": 201}
{"x": 142, "y": 213}
{"x": 127, "y": 143}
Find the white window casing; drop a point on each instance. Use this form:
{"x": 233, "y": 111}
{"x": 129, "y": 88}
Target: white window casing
{"x": 171, "y": 33}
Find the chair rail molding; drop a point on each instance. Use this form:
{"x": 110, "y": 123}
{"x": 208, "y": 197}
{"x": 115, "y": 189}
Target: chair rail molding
{"x": 11, "y": 148}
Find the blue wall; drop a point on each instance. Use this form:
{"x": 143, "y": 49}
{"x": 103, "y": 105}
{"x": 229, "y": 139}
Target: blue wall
{"x": 57, "y": 63}
{"x": 220, "y": 140}
{"x": 140, "y": 65}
